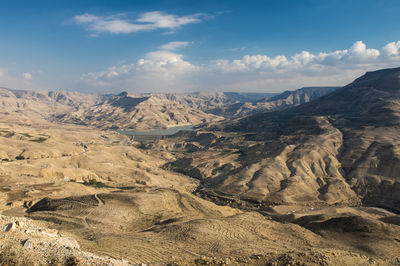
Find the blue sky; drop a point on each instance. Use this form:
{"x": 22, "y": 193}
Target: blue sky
{"x": 180, "y": 46}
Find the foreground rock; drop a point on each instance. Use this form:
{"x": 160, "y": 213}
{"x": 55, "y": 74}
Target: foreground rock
{"x": 32, "y": 243}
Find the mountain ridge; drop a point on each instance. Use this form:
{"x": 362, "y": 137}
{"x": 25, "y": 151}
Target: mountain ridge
{"x": 341, "y": 148}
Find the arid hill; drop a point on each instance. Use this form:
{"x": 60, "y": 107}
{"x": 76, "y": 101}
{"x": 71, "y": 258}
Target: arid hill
{"x": 275, "y": 102}
{"x": 139, "y": 112}
{"x": 342, "y": 148}
{"x": 38, "y": 106}
{"x": 156, "y": 110}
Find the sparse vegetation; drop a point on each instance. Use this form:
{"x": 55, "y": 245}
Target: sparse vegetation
{"x": 140, "y": 182}
{"x": 40, "y": 139}
{"x": 26, "y": 135}
{"x": 225, "y": 152}
{"x": 13, "y": 254}
{"x": 173, "y": 165}
{"x": 221, "y": 193}
{"x": 94, "y": 183}
{"x": 9, "y": 134}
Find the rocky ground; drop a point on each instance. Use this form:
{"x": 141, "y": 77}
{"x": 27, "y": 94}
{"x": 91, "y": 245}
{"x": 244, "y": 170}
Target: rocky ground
{"x": 27, "y": 242}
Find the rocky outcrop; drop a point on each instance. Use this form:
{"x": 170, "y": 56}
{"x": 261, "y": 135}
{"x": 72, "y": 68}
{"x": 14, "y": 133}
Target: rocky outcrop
{"x": 27, "y": 242}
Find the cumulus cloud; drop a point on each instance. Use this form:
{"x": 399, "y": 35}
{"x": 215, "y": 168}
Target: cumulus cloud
{"x": 165, "y": 62}
{"x": 358, "y": 54}
{"x": 159, "y": 66}
{"x": 174, "y": 45}
{"x": 148, "y": 21}
{"x": 391, "y": 50}
{"x": 164, "y": 70}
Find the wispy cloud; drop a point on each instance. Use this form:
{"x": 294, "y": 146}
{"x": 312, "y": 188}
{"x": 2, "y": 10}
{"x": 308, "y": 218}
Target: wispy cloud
{"x": 2, "y": 72}
{"x": 174, "y": 45}
{"x": 10, "y": 78}
{"x": 164, "y": 70}
{"x": 167, "y": 21}
{"x": 147, "y": 21}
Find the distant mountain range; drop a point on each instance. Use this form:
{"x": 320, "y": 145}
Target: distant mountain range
{"x": 273, "y": 102}
{"x": 144, "y": 111}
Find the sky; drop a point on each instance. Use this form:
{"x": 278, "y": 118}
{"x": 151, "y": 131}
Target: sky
{"x": 184, "y": 46}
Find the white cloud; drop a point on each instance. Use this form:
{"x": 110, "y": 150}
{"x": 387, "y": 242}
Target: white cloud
{"x": 360, "y": 54}
{"x": 251, "y": 63}
{"x": 164, "y": 61}
{"x": 108, "y": 74}
{"x": 167, "y": 21}
{"x": 356, "y": 55}
{"x": 26, "y": 75}
{"x": 391, "y": 49}
{"x": 174, "y": 45}
{"x": 145, "y": 22}
{"x": 164, "y": 70}
{"x": 161, "y": 66}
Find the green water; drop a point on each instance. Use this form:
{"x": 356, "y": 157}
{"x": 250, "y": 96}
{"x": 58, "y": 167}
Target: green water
{"x": 160, "y": 132}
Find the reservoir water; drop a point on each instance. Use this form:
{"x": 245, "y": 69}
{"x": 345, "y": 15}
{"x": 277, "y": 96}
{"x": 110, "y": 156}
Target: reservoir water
{"x": 161, "y": 132}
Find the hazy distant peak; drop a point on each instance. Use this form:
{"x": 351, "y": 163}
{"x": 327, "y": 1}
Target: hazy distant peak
{"x": 123, "y": 94}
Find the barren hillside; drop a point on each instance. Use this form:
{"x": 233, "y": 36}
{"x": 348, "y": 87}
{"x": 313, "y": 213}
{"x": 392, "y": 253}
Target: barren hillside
{"x": 339, "y": 149}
